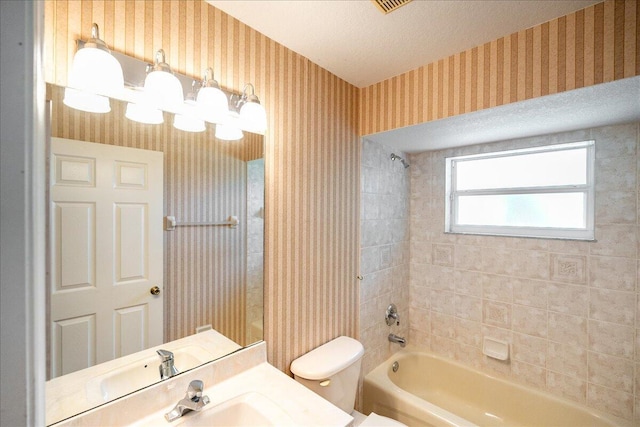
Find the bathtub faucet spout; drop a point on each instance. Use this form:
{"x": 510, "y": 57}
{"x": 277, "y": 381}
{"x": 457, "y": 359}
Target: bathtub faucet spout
{"x": 396, "y": 339}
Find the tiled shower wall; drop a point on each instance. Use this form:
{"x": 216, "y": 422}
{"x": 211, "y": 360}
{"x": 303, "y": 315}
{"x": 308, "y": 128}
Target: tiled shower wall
{"x": 384, "y": 253}
{"x": 255, "y": 250}
{"x": 570, "y": 309}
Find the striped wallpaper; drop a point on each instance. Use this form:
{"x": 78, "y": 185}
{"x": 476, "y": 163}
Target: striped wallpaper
{"x": 594, "y": 45}
{"x": 205, "y": 180}
{"x": 312, "y": 153}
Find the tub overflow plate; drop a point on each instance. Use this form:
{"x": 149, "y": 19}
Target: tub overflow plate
{"x": 395, "y": 366}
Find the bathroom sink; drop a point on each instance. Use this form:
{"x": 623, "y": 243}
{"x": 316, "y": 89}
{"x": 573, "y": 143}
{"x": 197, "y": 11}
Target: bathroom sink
{"x": 144, "y": 372}
{"x": 242, "y": 389}
{"x": 247, "y": 409}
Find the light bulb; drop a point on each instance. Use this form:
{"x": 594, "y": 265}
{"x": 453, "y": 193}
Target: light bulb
{"x": 229, "y": 130}
{"x": 86, "y": 101}
{"x": 144, "y": 114}
{"x": 187, "y": 120}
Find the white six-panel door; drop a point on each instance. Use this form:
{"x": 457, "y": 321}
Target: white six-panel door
{"x": 106, "y": 252}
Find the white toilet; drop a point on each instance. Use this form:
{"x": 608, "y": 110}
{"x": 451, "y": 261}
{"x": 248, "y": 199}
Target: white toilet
{"x": 332, "y": 371}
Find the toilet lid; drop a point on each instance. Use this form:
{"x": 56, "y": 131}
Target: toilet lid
{"x": 327, "y": 360}
{"x": 375, "y": 420}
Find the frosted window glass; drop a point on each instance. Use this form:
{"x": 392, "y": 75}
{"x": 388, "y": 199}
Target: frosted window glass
{"x": 566, "y": 167}
{"x": 545, "y": 192}
{"x": 560, "y": 210}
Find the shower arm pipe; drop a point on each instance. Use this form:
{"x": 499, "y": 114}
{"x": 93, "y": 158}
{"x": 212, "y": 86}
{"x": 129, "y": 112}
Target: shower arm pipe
{"x": 395, "y": 157}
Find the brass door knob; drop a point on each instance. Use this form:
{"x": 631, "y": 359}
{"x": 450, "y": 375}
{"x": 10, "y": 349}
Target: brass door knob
{"x": 155, "y": 290}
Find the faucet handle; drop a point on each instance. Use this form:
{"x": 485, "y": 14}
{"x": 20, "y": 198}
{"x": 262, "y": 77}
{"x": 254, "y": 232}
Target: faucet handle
{"x": 194, "y": 391}
{"x": 391, "y": 316}
{"x": 165, "y": 355}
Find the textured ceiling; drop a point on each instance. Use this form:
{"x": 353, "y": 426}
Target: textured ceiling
{"x": 355, "y": 41}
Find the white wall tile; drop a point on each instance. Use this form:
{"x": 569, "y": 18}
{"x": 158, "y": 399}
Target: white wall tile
{"x": 530, "y": 349}
{"x": 567, "y": 359}
{"x": 532, "y": 375}
{"x": 531, "y": 293}
{"x": 568, "y": 329}
{"x": 530, "y": 320}
{"x": 568, "y": 299}
{"x": 611, "y": 371}
{"x": 616, "y": 402}
{"x": 497, "y": 288}
{"x": 611, "y": 338}
{"x": 613, "y": 306}
{"x": 468, "y": 307}
{"x": 567, "y": 387}
{"x": 613, "y": 273}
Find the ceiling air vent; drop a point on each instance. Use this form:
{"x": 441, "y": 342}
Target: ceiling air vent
{"x": 387, "y": 6}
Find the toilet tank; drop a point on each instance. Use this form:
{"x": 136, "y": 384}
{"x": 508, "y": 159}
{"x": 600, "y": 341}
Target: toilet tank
{"x": 332, "y": 371}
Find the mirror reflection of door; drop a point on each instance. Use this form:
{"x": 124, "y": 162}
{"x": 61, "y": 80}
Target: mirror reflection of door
{"x": 106, "y": 253}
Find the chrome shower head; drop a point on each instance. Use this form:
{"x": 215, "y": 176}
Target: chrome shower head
{"x": 394, "y": 156}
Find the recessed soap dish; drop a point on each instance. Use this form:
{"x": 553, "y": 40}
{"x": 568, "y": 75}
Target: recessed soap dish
{"x": 496, "y": 349}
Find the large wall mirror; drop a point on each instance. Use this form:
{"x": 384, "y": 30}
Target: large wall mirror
{"x": 211, "y": 272}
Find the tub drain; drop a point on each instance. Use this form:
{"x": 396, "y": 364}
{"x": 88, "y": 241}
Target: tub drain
{"x": 395, "y": 366}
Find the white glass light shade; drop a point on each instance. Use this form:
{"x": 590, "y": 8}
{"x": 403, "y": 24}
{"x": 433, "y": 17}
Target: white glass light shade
{"x": 188, "y": 123}
{"x": 229, "y": 131}
{"x": 163, "y": 90}
{"x": 253, "y": 118}
{"x": 144, "y": 114}
{"x": 187, "y": 119}
{"x": 86, "y": 101}
{"x": 213, "y": 105}
{"x": 97, "y": 71}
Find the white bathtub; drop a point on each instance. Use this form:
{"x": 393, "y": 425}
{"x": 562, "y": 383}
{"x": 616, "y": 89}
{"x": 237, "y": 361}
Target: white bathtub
{"x": 428, "y": 390}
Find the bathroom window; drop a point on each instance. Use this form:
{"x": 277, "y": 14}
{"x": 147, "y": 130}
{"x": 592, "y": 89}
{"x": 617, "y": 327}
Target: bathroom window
{"x": 534, "y": 192}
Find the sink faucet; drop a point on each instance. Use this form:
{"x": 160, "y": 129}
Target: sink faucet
{"x": 167, "y": 369}
{"x": 397, "y": 339}
{"x": 192, "y": 401}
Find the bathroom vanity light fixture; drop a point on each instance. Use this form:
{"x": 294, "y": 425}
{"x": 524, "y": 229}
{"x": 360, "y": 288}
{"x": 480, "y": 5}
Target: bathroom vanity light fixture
{"x": 151, "y": 89}
{"x": 95, "y": 75}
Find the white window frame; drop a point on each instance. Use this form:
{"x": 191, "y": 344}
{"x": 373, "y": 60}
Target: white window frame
{"x": 452, "y": 195}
